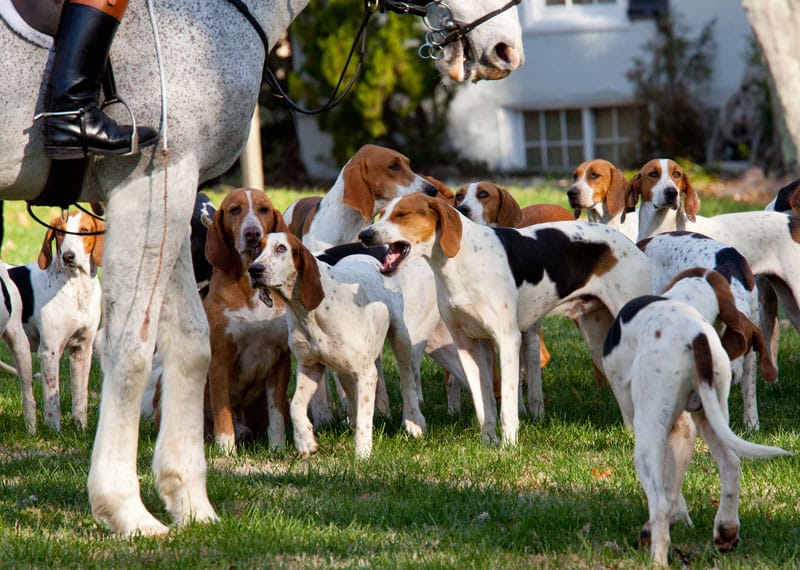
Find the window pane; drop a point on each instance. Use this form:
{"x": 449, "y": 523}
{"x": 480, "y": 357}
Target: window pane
{"x": 582, "y": 2}
{"x": 534, "y": 158}
{"x": 603, "y": 123}
{"x": 552, "y": 122}
{"x": 555, "y": 157}
{"x": 574, "y": 125}
{"x": 575, "y": 156}
{"x": 605, "y": 151}
{"x": 532, "y": 126}
{"x": 628, "y": 121}
{"x": 556, "y": 2}
{"x": 629, "y": 155}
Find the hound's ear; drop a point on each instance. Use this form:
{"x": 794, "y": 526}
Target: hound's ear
{"x": 576, "y": 212}
{"x": 633, "y": 191}
{"x": 311, "y": 292}
{"x": 450, "y": 227}
{"x": 46, "y": 253}
{"x": 509, "y": 214}
{"x": 768, "y": 369}
{"x": 736, "y": 339}
{"x": 218, "y": 252}
{"x": 277, "y": 223}
{"x": 357, "y": 193}
{"x": 615, "y": 198}
{"x": 99, "y": 243}
{"x": 794, "y": 201}
{"x": 691, "y": 203}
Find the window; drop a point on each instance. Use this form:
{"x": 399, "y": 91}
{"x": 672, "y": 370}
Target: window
{"x": 559, "y": 140}
{"x": 566, "y": 15}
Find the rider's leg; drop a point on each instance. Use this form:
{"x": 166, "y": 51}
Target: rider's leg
{"x": 84, "y": 39}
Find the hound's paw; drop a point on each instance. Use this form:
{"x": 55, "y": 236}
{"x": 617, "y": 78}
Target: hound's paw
{"x": 489, "y": 438}
{"x": 226, "y": 444}
{"x": 306, "y": 448}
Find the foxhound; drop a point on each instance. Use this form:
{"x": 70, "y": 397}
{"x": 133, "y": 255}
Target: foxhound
{"x": 670, "y": 373}
{"x": 13, "y": 334}
{"x": 769, "y": 241}
{"x": 61, "y": 308}
{"x": 495, "y": 282}
{"x": 373, "y": 176}
{"x": 672, "y": 252}
{"x": 599, "y": 188}
{"x": 250, "y": 360}
{"x": 489, "y": 204}
{"x": 338, "y": 317}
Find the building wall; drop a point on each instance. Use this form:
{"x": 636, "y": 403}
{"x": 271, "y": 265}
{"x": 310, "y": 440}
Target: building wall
{"x": 582, "y": 64}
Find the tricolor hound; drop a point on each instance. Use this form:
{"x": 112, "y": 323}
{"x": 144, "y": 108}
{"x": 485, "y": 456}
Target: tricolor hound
{"x": 61, "y": 308}
{"x": 488, "y": 204}
{"x": 250, "y": 360}
{"x": 599, "y": 188}
{"x": 495, "y": 282}
{"x": 673, "y": 252}
{"x": 670, "y": 374}
{"x": 14, "y": 336}
{"x": 339, "y": 317}
{"x": 769, "y": 241}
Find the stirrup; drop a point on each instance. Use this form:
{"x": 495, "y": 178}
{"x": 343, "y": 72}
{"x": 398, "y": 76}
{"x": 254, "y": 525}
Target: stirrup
{"x": 134, "y": 147}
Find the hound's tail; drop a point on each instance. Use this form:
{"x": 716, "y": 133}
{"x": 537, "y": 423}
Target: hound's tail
{"x": 704, "y": 365}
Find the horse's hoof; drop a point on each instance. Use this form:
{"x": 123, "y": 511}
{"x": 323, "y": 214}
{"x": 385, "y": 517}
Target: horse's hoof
{"x": 727, "y": 538}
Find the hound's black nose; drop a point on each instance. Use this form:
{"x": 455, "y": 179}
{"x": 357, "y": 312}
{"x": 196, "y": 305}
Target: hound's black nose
{"x": 464, "y": 210}
{"x": 572, "y": 193}
{"x": 68, "y": 257}
{"x": 252, "y": 235}
{"x": 671, "y": 195}
{"x": 367, "y": 236}
{"x": 430, "y": 190}
{"x": 256, "y": 270}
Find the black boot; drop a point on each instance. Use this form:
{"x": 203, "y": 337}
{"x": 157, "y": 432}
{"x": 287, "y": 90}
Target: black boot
{"x": 74, "y": 125}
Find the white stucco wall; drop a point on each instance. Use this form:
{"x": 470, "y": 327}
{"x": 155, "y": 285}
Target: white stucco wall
{"x": 583, "y": 67}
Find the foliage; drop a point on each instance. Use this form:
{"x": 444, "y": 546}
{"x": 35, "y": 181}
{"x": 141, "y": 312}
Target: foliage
{"x": 398, "y": 99}
{"x": 672, "y": 77}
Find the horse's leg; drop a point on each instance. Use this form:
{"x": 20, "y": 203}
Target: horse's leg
{"x": 140, "y": 252}
{"x": 179, "y": 464}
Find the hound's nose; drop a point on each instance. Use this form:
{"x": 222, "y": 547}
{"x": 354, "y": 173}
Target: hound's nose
{"x": 671, "y": 195}
{"x": 464, "y": 210}
{"x": 572, "y": 194}
{"x": 68, "y": 257}
{"x": 430, "y": 190}
{"x": 256, "y": 270}
{"x": 367, "y": 236}
{"x": 252, "y": 235}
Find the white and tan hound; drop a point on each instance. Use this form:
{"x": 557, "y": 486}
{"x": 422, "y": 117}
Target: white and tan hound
{"x": 599, "y": 188}
{"x": 787, "y": 200}
{"x": 495, "y": 282}
{"x": 373, "y": 176}
{"x": 339, "y": 317}
{"x": 769, "y": 241}
{"x": 670, "y": 373}
{"x": 61, "y": 308}
{"x": 250, "y": 360}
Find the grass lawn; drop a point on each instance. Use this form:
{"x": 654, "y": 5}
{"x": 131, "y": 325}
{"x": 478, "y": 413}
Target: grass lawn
{"x": 565, "y": 496}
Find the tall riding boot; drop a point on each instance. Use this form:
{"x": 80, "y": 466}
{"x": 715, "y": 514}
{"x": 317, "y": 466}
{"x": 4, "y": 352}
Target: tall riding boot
{"x": 74, "y": 124}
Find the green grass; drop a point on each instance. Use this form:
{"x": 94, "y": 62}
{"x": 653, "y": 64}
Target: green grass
{"x": 565, "y": 496}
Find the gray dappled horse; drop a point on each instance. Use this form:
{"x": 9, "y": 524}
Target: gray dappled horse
{"x": 212, "y": 64}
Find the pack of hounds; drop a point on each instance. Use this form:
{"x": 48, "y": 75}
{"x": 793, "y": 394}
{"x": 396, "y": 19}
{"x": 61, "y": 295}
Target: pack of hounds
{"x": 673, "y": 307}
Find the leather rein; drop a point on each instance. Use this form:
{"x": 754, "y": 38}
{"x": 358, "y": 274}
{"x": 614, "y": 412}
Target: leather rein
{"x": 436, "y": 15}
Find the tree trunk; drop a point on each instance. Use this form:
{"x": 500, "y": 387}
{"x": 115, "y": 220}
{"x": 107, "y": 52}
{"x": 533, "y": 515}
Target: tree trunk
{"x": 775, "y": 24}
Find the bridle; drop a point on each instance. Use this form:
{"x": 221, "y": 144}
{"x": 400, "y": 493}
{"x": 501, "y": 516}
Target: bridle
{"x": 443, "y": 29}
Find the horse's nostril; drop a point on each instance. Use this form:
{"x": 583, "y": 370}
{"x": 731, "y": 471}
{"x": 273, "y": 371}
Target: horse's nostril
{"x": 506, "y": 55}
